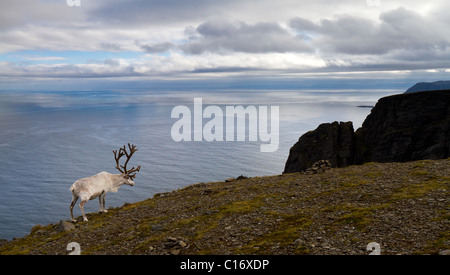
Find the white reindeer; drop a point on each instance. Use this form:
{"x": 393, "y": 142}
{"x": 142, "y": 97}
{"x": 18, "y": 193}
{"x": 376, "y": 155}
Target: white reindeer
{"x": 102, "y": 183}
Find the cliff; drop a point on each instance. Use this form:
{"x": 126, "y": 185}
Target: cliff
{"x": 330, "y": 141}
{"x": 400, "y": 128}
{"x": 407, "y": 127}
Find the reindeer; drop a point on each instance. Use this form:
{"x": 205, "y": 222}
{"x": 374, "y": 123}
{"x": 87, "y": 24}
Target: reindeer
{"x": 100, "y": 184}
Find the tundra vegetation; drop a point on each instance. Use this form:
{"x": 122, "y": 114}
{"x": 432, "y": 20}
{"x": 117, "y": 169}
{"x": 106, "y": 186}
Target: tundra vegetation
{"x": 401, "y": 206}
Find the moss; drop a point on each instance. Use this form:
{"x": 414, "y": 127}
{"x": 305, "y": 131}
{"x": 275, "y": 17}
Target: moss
{"x": 436, "y": 245}
{"x": 35, "y": 228}
{"x": 149, "y": 203}
{"x": 143, "y": 246}
{"x": 239, "y": 207}
{"x": 422, "y": 163}
{"x": 284, "y": 234}
{"x": 419, "y": 173}
{"x": 373, "y": 174}
{"x": 90, "y": 250}
{"x": 359, "y": 217}
{"x": 25, "y": 245}
{"x": 421, "y": 188}
{"x": 355, "y": 181}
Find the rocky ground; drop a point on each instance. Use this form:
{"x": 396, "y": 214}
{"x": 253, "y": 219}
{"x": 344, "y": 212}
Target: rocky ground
{"x": 404, "y": 207}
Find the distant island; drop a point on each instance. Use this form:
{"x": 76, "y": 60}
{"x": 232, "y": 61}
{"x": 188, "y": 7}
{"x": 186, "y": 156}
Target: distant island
{"x": 429, "y": 86}
{"x": 365, "y": 106}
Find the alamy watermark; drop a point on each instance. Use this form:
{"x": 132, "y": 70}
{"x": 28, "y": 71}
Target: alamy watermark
{"x": 220, "y": 125}
{"x": 373, "y": 3}
{"x": 73, "y": 248}
{"x": 374, "y": 248}
{"x": 73, "y": 3}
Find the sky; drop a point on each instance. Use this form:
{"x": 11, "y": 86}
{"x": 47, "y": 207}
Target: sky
{"x": 145, "y": 44}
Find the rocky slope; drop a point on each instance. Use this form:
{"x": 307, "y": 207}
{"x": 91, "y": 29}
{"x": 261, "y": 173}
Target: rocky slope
{"x": 400, "y": 128}
{"x": 404, "y": 207}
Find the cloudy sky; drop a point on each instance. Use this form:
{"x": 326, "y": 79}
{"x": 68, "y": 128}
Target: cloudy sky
{"x": 48, "y": 44}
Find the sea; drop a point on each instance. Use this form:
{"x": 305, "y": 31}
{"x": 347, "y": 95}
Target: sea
{"x": 48, "y": 140}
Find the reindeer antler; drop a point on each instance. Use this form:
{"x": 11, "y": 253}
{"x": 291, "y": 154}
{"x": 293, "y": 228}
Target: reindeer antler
{"x": 117, "y": 159}
{"x": 122, "y": 152}
{"x": 133, "y": 170}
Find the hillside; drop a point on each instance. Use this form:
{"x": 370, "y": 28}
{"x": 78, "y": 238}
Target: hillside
{"x": 401, "y": 206}
{"x": 429, "y": 86}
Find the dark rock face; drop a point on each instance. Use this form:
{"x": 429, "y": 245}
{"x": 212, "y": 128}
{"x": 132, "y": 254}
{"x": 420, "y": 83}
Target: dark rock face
{"x": 399, "y": 128}
{"x": 330, "y": 141}
{"x": 407, "y": 127}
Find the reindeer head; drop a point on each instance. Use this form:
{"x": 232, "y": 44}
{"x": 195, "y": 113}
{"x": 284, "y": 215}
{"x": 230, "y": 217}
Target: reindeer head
{"x": 128, "y": 175}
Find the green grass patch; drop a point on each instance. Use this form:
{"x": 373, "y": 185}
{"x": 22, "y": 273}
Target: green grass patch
{"x": 421, "y": 188}
{"x": 284, "y": 234}
{"x": 359, "y": 217}
{"x": 244, "y": 206}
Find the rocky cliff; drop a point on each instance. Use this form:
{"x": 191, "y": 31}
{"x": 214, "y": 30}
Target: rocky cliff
{"x": 330, "y": 141}
{"x": 400, "y": 128}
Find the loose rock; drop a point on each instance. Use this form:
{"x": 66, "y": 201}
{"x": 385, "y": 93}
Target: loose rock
{"x": 65, "y": 226}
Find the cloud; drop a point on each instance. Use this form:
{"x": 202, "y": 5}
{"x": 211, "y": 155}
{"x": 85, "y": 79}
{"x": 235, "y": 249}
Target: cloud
{"x": 178, "y": 37}
{"x": 398, "y": 29}
{"x": 43, "y": 58}
{"x": 163, "y": 66}
{"x": 158, "y": 47}
{"x": 221, "y": 36}
{"x": 138, "y": 13}
{"x": 106, "y": 68}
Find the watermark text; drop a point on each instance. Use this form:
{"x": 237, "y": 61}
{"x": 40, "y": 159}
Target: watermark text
{"x": 373, "y": 3}
{"x": 218, "y": 121}
{"x": 73, "y": 3}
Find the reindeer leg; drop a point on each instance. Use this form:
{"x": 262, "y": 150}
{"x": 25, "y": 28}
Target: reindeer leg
{"x": 103, "y": 201}
{"x": 82, "y": 203}
{"x": 100, "y": 202}
{"x": 74, "y": 200}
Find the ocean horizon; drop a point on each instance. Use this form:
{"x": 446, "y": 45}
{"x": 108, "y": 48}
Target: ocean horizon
{"x": 48, "y": 140}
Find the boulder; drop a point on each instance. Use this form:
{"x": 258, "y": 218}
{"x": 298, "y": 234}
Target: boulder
{"x": 65, "y": 226}
{"x": 318, "y": 167}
